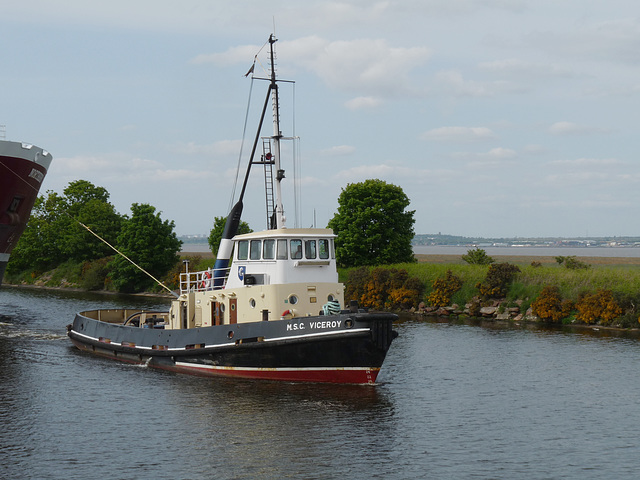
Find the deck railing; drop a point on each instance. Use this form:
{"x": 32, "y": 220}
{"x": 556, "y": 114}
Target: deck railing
{"x": 203, "y": 280}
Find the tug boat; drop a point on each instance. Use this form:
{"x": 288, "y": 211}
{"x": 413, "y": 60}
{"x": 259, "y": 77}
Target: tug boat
{"x": 276, "y": 313}
{"x": 23, "y": 167}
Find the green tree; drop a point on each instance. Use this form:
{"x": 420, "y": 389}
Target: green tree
{"x": 39, "y": 247}
{"x": 150, "y": 242}
{"x": 87, "y": 204}
{"x": 372, "y": 225}
{"x": 215, "y": 236}
{"x": 53, "y": 234}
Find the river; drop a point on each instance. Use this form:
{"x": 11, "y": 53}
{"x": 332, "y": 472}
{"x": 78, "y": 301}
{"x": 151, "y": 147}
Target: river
{"x": 453, "y": 401}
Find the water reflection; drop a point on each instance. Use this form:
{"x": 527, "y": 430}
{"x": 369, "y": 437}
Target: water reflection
{"x": 535, "y": 327}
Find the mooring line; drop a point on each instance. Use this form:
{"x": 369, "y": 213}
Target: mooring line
{"x": 128, "y": 259}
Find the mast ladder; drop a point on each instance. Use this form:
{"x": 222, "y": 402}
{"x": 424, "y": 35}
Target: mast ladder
{"x": 268, "y": 161}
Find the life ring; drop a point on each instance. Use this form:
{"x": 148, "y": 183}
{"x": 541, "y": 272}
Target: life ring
{"x": 288, "y": 312}
{"x": 206, "y": 281}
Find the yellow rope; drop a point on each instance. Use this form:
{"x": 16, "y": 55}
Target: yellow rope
{"x": 127, "y": 258}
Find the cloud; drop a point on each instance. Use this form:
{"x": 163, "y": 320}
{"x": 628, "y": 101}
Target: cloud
{"x": 370, "y": 67}
{"x": 611, "y": 41}
{"x": 361, "y": 103}
{"x": 458, "y": 134}
{"x": 526, "y": 69}
{"x": 220, "y": 148}
{"x": 500, "y": 153}
{"x": 588, "y": 162}
{"x": 339, "y": 150}
{"x": 593, "y": 179}
{"x": 570, "y": 128}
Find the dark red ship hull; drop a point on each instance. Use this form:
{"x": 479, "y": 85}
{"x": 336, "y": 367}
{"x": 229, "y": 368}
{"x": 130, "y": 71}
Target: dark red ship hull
{"x": 22, "y": 170}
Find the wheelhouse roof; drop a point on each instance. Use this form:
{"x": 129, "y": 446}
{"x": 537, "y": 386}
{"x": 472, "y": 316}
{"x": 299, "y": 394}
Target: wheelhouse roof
{"x": 288, "y": 233}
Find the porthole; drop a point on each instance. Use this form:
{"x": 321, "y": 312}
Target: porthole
{"x": 252, "y": 303}
{"x": 348, "y": 323}
{"x": 293, "y": 299}
{"x": 330, "y": 298}
{"x": 222, "y": 307}
{"x": 233, "y": 307}
{"x": 230, "y": 334}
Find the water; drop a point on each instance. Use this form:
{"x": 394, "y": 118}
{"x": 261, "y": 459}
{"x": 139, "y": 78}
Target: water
{"x": 454, "y": 401}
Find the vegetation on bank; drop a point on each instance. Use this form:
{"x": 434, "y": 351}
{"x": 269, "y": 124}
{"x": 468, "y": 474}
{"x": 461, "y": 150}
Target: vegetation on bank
{"x": 597, "y": 295}
{"x": 70, "y": 236}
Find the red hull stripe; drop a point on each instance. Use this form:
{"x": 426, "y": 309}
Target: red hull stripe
{"x": 306, "y": 374}
{"x": 355, "y": 375}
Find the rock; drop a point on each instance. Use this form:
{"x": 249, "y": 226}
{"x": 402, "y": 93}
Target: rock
{"x": 488, "y": 311}
{"x": 503, "y": 316}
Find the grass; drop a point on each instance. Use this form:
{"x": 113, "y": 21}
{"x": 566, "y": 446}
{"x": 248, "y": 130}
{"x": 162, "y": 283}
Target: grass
{"x": 618, "y": 274}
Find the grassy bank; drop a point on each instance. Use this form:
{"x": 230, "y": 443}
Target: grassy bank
{"x": 619, "y": 275}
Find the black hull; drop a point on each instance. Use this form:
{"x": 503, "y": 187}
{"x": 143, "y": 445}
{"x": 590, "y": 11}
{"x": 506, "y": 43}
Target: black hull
{"x": 341, "y": 349}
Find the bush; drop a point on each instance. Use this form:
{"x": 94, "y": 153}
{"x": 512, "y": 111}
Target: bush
{"x": 550, "y": 306}
{"x": 498, "y": 278}
{"x": 443, "y": 289}
{"x": 383, "y": 288}
{"x": 477, "y": 257}
{"x": 94, "y": 274}
{"x": 355, "y": 284}
{"x": 600, "y": 306}
{"x": 571, "y": 262}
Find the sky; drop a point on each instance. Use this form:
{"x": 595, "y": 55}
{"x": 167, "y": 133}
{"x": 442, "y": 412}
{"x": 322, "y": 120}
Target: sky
{"x": 498, "y": 118}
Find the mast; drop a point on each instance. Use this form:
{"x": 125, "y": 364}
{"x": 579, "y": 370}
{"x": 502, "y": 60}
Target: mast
{"x": 233, "y": 219}
{"x": 277, "y": 135}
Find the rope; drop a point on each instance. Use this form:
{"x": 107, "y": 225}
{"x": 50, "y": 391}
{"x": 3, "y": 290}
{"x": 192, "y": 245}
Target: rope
{"x": 127, "y": 258}
{"x": 331, "y": 308}
{"x": 20, "y": 178}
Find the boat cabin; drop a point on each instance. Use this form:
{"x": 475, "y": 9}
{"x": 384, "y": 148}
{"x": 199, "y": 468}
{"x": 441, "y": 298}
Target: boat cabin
{"x": 274, "y": 274}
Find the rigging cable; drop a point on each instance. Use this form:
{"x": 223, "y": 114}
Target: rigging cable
{"x": 244, "y": 132}
{"x": 246, "y": 119}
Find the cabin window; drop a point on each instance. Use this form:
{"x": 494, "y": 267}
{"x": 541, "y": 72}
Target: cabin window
{"x": 323, "y": 247}
{"x": 269, "y": 249}
{"x": 243, "y": 250}
{"x": 296, "y": 249}
{"x": 333, "y": 250}
{"x": 256, "y": 246}
{"x": 310, "y": 249}
{"x": 282, "y": 249}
